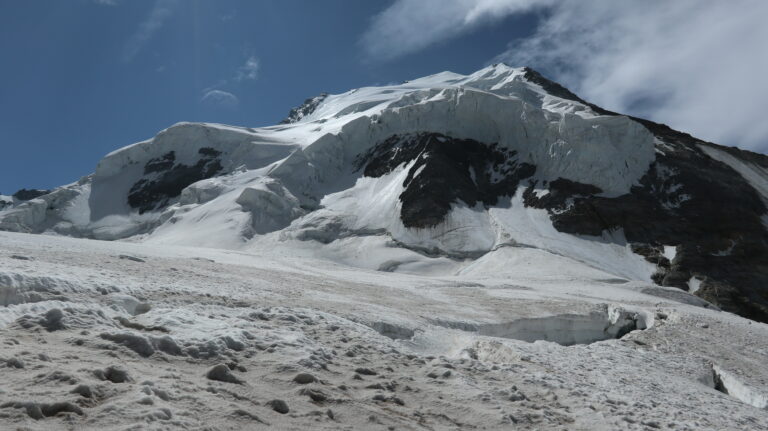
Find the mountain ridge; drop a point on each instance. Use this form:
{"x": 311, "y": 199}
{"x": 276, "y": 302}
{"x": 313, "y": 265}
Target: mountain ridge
{"x": 608, "y": 190}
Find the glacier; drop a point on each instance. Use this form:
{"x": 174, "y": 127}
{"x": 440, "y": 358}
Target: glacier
{"x": 456, "y": 251}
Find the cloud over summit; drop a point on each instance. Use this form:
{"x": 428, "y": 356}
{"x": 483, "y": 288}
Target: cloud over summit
{"x": 698, "y": 66}
{"x": 220, "y": 99}
{"x": 411, "y": 25}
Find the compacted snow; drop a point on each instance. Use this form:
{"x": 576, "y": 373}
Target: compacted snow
{"x": 114, "y": 335}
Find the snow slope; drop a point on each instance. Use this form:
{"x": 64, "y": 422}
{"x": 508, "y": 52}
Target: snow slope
{"x": 275, "y": 177}
{"x": 114, "y": 335}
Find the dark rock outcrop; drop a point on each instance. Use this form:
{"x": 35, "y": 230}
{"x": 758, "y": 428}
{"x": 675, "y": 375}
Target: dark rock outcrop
{"x": 445, "y": 171}
{"x": 222, "y": 373}
{"x": 29, "y": 194}
{"x": 305, "y": 109}
{"x": 164, "y": 179}
{"x": 686, "y": 199}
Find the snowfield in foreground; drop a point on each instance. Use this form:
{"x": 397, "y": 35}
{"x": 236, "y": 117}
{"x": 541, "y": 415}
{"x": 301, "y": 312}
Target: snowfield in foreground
{"x": 116, "y": 335}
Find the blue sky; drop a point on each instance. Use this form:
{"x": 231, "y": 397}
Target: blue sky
{"x": 81, "y": 78}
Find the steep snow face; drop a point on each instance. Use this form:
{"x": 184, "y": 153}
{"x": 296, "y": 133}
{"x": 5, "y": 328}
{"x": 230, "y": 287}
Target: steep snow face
{"x": 314, "y": 154}
{"x": 157, "y": 170}
{"x": 612, "y": 152}
{"x": 440, "y": 206}
{"x": 62, "y": 210}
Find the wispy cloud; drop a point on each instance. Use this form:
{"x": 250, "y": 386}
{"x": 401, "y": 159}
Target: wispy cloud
{"x": 249, "y": 70}
{"x": 408, "y": 26}
{"x": 222, "y": 83}
{"x": 698, "y": 66}
{"x": 215, "y": 95}
{"x": 106, "y": 2}
{"x": 160, "y": 12}
{"x": 220, "y": 99}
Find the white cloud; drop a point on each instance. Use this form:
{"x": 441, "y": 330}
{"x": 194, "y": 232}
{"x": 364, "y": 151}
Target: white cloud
{"x": 160, "y": 12}
{"x": 221, "y": 84}
{"x": 106, "y": 2}
{"x": 408, "y": 26}
{"x": 220, "y": 99}
{"x": 699, "y": 66}
{"x": 214, "y": 96}
{"x": 248, "y": 71}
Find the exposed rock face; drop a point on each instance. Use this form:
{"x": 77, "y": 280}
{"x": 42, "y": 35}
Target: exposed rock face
{"x": 5, "y": 202}
{"x": 687, "y": 199}
{"x": 305, "y": 109}
{"x": 690, "y": 201}
{"x": 445, "y": 171}
{"x": 165, "y": 179}
{"x": 29, "y": 194}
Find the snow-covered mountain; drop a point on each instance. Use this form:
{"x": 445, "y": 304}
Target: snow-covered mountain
{"x": 457, "y": 251}
{"x": 435, "y": 171}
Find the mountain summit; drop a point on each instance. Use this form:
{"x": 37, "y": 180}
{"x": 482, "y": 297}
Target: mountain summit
{"x": 483, "y": 251}
{"x": 441, "y": 175}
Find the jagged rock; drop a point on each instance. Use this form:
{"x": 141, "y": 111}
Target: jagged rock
{"x": 165, "y": 179}
{"x": 84, "y": 391}
{"x": 221, "y": 373}
{"x": 279, "y": 406}
{"x": 445, "y": 171}
{"x": 249, "y": 415}
{"x": 113, "y": 374}
{"x": 305, "y": 109}
{"x": 14, "y": 363}
{"x": 137, "y": 343}
{"x": 315, "y": 395}
{"x": 52, "y": 320}
{"x": 29, "y": 194}
{"x": 304, "y": 378}
{"x": 42, "y": 410}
